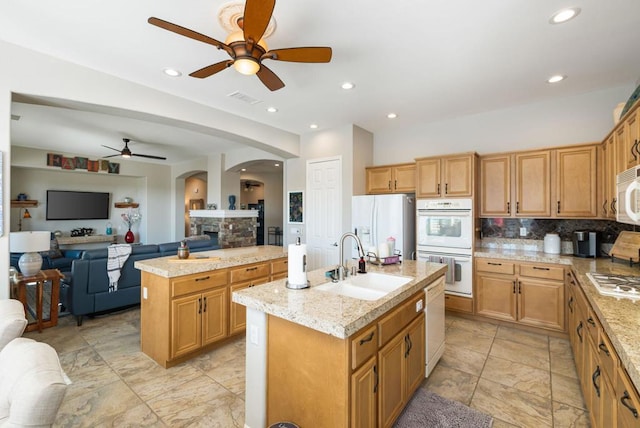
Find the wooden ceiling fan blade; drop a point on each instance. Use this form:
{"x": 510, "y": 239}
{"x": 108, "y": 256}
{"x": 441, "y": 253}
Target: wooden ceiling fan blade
{"x": 269, "y": 78}
{"x": 117, "y": 150}
{"x": 175, "y": 28}
{"x": 212, "y": 69}
{"x": 257, "y": 14}
{"x": 149, "y": 156}
{"x": 303, "y": 54}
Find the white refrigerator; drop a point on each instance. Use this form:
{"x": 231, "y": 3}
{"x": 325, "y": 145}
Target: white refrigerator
{"x": 375, "y": 218}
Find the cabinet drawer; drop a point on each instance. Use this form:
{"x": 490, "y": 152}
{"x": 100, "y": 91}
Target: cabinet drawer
{"x": 279, "y": 266}
{"x": 542, "y": 271}
{"x": 246, "y": 273}
{"x": 628, "y": 400}
{"x": 391, "y": 324}
{"x": 457, "y": 303}
{"x": 363, "y": 346}
{"x": 198, "y": 283}
{"x": 593, "y": 326}
{"x": 608, "y": 356}
{"x": 495, "y": 266}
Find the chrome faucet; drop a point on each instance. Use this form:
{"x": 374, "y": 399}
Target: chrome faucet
{"x": 342, "y": 268}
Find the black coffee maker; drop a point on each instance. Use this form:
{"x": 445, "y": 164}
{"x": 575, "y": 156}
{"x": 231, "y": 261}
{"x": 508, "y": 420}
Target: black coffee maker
{"x": 586, "y": 243}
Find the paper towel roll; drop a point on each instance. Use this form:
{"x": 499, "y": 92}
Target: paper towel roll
{"x": 383, "y": 250}
{"x": 297, "y": 265}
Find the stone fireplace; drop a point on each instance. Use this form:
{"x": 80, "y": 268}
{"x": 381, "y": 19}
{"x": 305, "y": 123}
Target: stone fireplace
{"x": 234, "y": 228}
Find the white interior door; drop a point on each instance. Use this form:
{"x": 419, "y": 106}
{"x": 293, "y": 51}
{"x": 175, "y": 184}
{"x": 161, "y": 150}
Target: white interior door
{"x": 323, "y": 211}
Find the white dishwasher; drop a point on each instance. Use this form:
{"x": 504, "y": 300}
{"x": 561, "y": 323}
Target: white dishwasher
{"x": 434, "y": 317}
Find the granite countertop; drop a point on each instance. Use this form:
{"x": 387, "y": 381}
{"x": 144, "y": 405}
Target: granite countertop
{"x": 170, "y": 267}
{"x": 330, "y": 313}
{"x": 620, "y": 318}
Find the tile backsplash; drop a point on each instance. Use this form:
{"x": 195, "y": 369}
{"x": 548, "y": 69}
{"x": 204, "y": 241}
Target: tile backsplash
{"x": 509, "y": 228}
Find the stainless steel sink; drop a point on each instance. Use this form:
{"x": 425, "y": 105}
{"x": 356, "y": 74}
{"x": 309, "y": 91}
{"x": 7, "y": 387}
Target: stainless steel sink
{"x": 369, "y": 286}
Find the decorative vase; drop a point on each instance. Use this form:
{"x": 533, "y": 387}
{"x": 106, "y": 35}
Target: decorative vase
{"x": 232, "y": 202}
{"x": 129, "y": 237}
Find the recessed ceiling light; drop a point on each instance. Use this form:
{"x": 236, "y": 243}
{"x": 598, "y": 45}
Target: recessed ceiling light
{"x": 313, "y": 126}
{"x": 172, "y": 72}
{"x": 276, "y": 164}
{"x": 392, "y": 115}
{"x": 555, "y": 79}
{"x": 348, "y": 85}
{"x": 243, "y": 169}
{"x": 272, "y": 109}
{"x": 564, "y": 15}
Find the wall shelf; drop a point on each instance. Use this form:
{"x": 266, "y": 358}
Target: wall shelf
{"x": 22, "y": 204}
{"x": 126, "y": 205}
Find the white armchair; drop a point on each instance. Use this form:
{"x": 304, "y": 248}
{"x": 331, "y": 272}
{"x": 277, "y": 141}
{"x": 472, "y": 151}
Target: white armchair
{"x": 12, "y": 321}
{"x": 32, "y": 384}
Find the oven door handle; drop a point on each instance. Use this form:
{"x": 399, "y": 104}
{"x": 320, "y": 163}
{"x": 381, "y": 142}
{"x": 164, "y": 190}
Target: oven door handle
{"x": 439, "y": 213}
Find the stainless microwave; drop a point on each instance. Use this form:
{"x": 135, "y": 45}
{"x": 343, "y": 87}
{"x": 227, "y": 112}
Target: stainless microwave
{"x": 628, "y": 190}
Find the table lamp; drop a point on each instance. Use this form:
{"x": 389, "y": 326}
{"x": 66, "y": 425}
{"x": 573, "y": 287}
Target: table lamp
{"x": 29, "y": 243}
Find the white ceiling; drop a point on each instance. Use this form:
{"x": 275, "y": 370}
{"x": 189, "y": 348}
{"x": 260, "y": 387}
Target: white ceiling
{"x": 424, "y": 60}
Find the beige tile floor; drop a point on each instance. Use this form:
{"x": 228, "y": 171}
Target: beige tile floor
{"x": 521, "y": 379}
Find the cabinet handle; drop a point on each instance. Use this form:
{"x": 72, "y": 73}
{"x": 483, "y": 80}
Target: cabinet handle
{"x": 579, "y": 330}
{"x": 366, "y": 339}
{"x": 634, "y": 147}
{"x": 494, "y": 264}
{"x": 591, "y": 321}
{"x": 406, "y": 343}
{"x": 389, "y": 185}
{"x": 375, "y": 372}
{"x": 250, "y": 269}
{"x": 519, "y": 287}
{"x": 508, "y": 207}
{"x": 613, "y": 205}
{"x": 625, "y": 397}
{"x": 204, "y": 278}
{"x": 410, "y": 345}
{"x": 446, "y": 188}
{"x": 438, "y": 188}
{"x": 205, "y": 305}
{"x": 514, "y": 287}
{"x": 541, "y": 268}
{"x": 395, "y": 184}
{"x": 199, "y": 305}
{"x": 558, "y": 207}
{"x": 594, "y": 376}
{"x": 604, "y": 349}
{"x": 604, "y": 207}
{"x": 517, "y": 207}
{"x": 570, "y": 304}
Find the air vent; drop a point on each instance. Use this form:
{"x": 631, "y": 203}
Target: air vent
{"x": 15, "y": 117}
{"x": 244, "y": 98}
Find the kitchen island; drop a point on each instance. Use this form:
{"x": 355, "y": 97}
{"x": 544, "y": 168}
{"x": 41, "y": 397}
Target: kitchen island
{"x": 186, "y": 307}
{"x": 318, "y": 358}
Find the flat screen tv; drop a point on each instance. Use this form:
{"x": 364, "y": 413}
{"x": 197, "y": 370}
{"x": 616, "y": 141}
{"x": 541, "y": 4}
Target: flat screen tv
{"x": 69, "y": 205}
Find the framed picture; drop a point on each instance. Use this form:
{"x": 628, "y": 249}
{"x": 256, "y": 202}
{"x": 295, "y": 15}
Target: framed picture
{"x": 296, "y": 207}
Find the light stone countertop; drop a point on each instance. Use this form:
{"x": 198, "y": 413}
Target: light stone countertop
{"x": 334, "y": 314}
{"x": 169, "y": 267}
{"x": 620, "y": 318}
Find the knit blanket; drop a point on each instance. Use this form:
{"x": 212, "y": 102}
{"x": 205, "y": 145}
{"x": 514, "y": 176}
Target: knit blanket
{"x": 116, "y": 257}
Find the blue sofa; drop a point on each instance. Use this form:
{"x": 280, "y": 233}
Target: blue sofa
{"x": 84, "y": 291}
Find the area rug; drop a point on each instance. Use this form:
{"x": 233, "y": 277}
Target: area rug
{"x": 429, "y": 410}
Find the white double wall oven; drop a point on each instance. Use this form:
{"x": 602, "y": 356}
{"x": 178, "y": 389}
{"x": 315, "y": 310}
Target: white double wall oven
{"x": 444, "y": 233}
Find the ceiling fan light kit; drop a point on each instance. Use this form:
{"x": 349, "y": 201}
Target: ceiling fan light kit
{"x": 247, "y": 54}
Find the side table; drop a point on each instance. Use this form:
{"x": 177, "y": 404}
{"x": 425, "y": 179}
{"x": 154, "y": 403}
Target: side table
{"x": 50, "y": 275}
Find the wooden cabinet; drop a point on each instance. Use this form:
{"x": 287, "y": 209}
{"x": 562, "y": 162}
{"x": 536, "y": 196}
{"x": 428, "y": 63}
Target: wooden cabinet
{"x": 448, "y": 177}
{"x": 241, "y": 278}
{"x": 526, "y": 293}
{"x": 524, "y": 184}
{"x": 576, "y": 192}
{"x": 279, "y": 269}
{"x": 391, "y": 179}
{"x": 458, "y": 303}
{"x": 363, "y": 381}
{"x": 198, "y": 312}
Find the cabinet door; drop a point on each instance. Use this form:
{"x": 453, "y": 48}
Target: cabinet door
{"x": 633, "y": 138}
{"x": 609, "y": 405}
{"x": 379, "y": 180}
{"x": 214, "y": 315}
{"x": 428, "y": 173}
{"x": 364, "y": 395}
{"x": 622, "y": 148}
{"x": 541, "y": 303}
{"x": 495, "y": 186}
{"x": 457, "y": 176}
{"x": 496, "y": 296}
{"x": 238, "y": 313}
{"x": 593, "y": 394}
{"x": 415, "y": 355}
{"x": 576, "y": 190}
{"x": 610, "y": 171}
{"x": 533, "y": 190}
{"x": 404, "y": 178}
{"x": 628, "y": 402}
{"x": 186, "y": 325}
{"x": 392, "y": 380}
